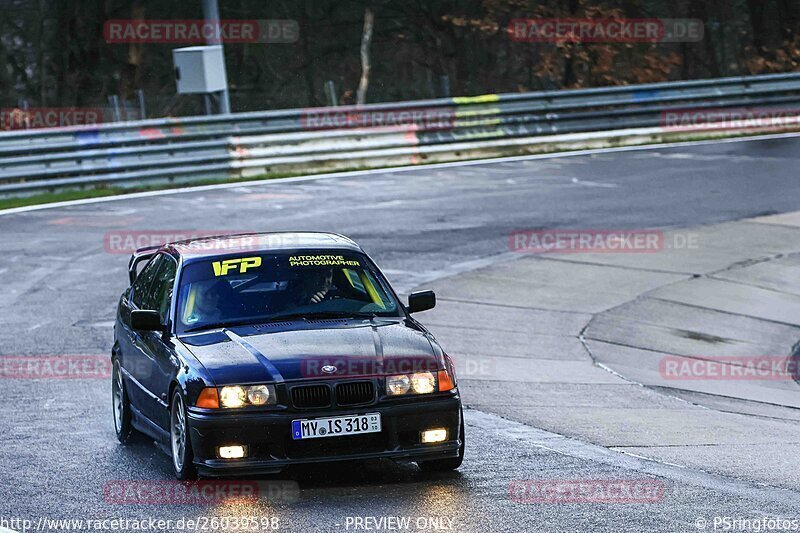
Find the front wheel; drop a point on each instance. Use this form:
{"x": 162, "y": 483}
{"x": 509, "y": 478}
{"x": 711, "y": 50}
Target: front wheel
{"x": 120, "y": 405}
{"x": 445, "y": 465}
{"x": 181, "y": 446}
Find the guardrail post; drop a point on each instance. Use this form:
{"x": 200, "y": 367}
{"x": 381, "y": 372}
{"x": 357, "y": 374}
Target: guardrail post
{"x": 444, "y": 84}
{"x": 24, "y": 106}
{"x": 140, "y": 97}
{"x": 113, "y": 101}
{"x": 330, "y": 93}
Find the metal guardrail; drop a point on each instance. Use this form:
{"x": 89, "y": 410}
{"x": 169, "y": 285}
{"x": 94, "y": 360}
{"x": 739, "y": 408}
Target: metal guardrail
{"x": 248, "y": 144}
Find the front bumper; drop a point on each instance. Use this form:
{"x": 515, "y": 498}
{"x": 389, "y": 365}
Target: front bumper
{"x": 271, "y": 448}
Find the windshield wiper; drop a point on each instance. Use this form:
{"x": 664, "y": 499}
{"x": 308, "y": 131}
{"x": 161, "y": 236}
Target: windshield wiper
{"x": 220, "y": 325}
{"x": 320, "y": 314}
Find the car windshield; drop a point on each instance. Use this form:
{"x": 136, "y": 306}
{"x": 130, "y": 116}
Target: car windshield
{"x": 256, "y": 288}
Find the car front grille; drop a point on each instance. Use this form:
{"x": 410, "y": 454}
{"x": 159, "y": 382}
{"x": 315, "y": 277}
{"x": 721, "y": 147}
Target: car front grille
{"x": 354, "y": 393}
{"x": 311, "y": 396}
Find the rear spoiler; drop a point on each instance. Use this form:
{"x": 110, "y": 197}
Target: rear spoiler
{"x": 140, "y": 255}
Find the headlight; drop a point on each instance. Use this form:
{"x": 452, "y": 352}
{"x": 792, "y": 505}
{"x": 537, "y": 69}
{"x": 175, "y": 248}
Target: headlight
{"x": 420, "y": 383}
{"x": 232, "y": 396}
{"x": 397, "y": 384}
{"x": 258, "y": 395}
{"x": 235, "y": 396}
{"x": 423, "y": 383}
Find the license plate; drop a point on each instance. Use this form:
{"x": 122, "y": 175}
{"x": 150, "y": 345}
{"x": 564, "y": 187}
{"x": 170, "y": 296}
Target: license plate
{"x": 336, "y": 426}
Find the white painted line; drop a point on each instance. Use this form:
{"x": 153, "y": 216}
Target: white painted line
{"x": 470, "y": 265}
{"x": 419, "y": 168}
{"x": 586, "y": 183}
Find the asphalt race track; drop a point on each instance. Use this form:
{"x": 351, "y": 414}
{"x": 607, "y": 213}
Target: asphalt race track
{"x": 62, "y": 275}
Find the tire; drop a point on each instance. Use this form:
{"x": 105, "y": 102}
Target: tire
{"x": 121, "y": 408}
{"x": 446, "y": 465}
{"x": 180, "y": 443}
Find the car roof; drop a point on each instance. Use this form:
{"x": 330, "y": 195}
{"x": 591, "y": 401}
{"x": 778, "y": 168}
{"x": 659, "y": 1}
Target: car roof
{"x": 215, "y": 246}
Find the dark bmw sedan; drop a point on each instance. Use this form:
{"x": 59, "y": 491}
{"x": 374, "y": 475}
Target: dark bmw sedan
{"x": 246, "y": 354}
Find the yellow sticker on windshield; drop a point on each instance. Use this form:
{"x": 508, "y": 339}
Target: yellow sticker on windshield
{"x": 321, "y": 260}
{"x": 241, "y": 265}
{"x": 373, "y": 294}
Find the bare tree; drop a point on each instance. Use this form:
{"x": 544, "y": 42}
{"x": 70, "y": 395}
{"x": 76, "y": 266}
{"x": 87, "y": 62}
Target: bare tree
{"x": 366, "y": 37}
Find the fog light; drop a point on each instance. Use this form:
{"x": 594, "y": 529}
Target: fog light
{"x": 434, "y": 435}
{"x": 231, "y": 452}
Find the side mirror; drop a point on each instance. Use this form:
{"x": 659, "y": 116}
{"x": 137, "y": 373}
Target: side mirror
{"x": 421, "y": 301}
{"x": 146, "y": 321}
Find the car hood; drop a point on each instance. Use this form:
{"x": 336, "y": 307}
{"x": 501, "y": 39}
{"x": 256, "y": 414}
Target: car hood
{"x": 300, "y": 350}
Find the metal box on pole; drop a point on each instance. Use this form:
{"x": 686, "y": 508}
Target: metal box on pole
{"x": 200, "y": 69}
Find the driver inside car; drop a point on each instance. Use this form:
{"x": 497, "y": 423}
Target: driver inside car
{"x": 209, "y": 302}
{"x": 314, "y": 287}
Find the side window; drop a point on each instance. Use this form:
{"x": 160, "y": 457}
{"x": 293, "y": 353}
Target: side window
{"x": 143, "y": 287}
{"x": 163, "y": 288}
